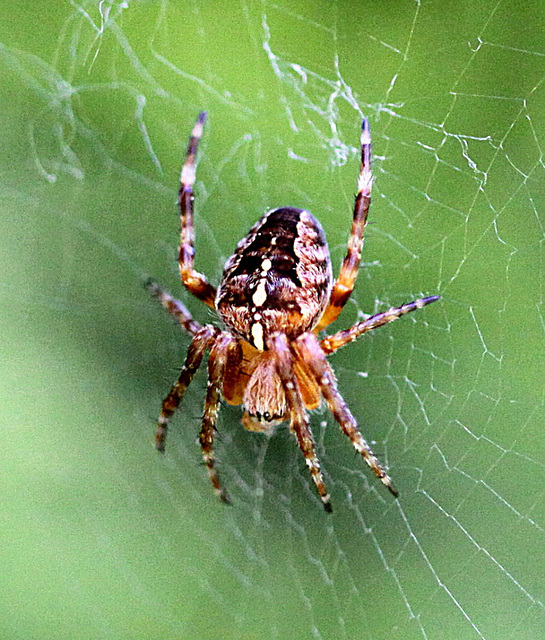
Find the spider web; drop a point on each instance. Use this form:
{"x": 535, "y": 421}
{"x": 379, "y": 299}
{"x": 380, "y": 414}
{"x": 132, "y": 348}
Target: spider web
{"x": 100, "y": 537}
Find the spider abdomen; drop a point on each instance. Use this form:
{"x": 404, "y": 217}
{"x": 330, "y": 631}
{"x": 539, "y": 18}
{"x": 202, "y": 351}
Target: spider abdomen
{"x": 278, "y": 280}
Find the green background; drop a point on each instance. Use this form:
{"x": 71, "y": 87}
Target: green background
{"x": 102, "y": 538}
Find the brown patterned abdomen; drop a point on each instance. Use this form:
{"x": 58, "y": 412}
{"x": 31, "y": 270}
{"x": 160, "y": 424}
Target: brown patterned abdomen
{"x": 278, "y": 279}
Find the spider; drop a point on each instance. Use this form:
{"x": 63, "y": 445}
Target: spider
{"x": 276, "y": 295}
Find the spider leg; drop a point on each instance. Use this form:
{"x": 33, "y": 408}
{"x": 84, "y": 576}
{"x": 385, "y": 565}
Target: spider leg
{"x": 216, "y": 369}
{"x": 174, "y": 307}
{"x": 195, "y": 282}
{"x": 310, "y": 351}
{"x": 330, "y": 344}
{"x": 344, "y": 284}
{"x": 202, "y": 340}
{"x": 299, "y": 421}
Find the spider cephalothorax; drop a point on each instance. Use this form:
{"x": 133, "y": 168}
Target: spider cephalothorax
{"x": 276, "y": 294}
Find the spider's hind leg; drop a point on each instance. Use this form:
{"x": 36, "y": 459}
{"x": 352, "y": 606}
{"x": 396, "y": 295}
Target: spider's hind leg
{"x": 195, "y": 282}
{"x": 344, "y": 284}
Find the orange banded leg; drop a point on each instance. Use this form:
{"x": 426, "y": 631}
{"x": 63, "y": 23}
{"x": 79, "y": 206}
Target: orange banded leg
{"x": 174, "y": 307}
{"x": 216, "y": 369}
{"x": 330, "y": 344}
{"x": 299, "y": 421}
{"x": 195, "y": 282}
{"x": 202, "y": 340}
{"x": 344, "y": 284}
{"x": 309, "y": 348}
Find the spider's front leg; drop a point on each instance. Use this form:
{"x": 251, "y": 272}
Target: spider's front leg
{"x": 299, "y": 421}
{"x": 202, "y": 340}
{"x": 195, "y": 282}
{"x": 216, "y": 371}
{"x": 308, "y": 347}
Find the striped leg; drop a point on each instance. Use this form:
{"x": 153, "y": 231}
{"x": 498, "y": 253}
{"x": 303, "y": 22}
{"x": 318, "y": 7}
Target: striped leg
{"x": 174, "y": 307}
{"x": 195, "y": 282}
{"x": 299, "y": 422}
{"x": 309, "y": 349}
{"x": 330, "y": 344}
{"x": 344, "y": 285}
{"x": 216, "y": 369}
{"x": 202, "y": 340}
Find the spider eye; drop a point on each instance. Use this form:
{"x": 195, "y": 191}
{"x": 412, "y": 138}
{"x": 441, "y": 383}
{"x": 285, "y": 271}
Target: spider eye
{"x": 263, "y": 417}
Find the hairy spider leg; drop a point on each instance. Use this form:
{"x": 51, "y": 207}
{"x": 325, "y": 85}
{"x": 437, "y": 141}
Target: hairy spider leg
{"x": 174, "y": 307}
{"x": 216, "y": 370}
{"x": 195, "y": 282}
{"x": 299, "y": 421}
{"x": 310, "y": 351}
{"x": 202, "y": 340}
{"x": 330, "y": 344}
{"x": 344, "y": 285}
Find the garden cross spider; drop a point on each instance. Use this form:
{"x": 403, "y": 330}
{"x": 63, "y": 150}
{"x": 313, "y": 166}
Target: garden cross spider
{"x": 276, "y": 294}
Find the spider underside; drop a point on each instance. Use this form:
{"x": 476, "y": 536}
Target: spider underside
{"x": 276, "y": 295}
